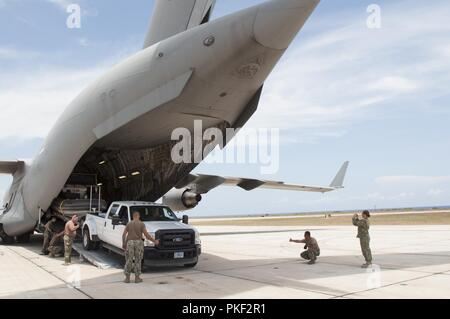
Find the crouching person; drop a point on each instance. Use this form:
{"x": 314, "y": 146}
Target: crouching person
{"x": 49, "y": 232}
{"x": 133, "y": 245}
{"x": 56, "y": 246}
{"x": 312, "y": 248}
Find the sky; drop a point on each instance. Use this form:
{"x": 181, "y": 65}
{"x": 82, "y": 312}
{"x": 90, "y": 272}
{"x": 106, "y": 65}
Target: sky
{"x": 376, "y": 97}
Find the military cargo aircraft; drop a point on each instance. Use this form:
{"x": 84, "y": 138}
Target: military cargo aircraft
{"x": 113, "y": 142}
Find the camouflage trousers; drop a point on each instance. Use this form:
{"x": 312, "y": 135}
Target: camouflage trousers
{"x": 68, "y": 242}
{"x": 365, "y": 248}
{"x": 310, "y": 254}
{"x": 55, "y": 250}
{"x": 134, "y": 255}
{"x": 47, "y": 238}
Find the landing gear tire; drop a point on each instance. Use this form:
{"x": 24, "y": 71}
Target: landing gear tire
{"x": 88, "y": 244}
{"x": 7, "y": 240}
{"x": 24, "y": 239}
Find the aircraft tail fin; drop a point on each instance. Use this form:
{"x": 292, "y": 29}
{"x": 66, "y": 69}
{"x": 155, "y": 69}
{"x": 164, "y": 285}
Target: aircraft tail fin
{"x": 171, "y": 17}
{"x": 338, "y": 181}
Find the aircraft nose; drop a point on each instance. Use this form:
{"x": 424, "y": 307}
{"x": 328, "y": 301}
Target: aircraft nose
{"x": 277, "y": 22}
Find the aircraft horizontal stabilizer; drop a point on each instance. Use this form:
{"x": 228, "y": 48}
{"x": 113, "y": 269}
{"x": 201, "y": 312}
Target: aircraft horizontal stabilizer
{"x": 202, "y": 184}
{"x": 10, "y": 167}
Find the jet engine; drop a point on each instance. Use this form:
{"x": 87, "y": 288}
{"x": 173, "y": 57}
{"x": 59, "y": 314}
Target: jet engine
{"x": 181, "y": 199}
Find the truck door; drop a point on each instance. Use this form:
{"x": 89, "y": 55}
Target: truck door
{"x": 119, "y": 229}
{"x": 108, "y": 227}
{"x": 115, "y": 232}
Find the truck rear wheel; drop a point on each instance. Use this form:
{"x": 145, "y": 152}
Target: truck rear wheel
{"x": 88, "y": 244}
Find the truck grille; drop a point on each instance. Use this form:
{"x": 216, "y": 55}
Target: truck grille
{"x": 173, "y": 239}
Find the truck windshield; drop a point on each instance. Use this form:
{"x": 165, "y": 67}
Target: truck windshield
{"x": 154, "y": 213}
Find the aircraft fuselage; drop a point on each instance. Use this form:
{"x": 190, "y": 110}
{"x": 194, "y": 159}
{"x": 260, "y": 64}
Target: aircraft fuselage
{"x": 123, "y": 122}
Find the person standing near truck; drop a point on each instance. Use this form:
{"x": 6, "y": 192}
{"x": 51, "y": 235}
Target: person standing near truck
{"x": 364, "y": 237}
{"x": 70, "y": 232}
{"x": 133, "y": 245}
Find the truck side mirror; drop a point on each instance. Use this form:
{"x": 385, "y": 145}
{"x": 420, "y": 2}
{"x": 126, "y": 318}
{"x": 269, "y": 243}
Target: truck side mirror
{"x": 115, "y": 221}
{"x": 185, "y": 219}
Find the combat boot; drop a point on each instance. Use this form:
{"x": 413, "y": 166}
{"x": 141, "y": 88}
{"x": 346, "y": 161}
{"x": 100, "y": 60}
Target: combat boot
{"x": 127, "y": 279}
{"x": 138, "y": 280}
{"x": 67, "y": 262}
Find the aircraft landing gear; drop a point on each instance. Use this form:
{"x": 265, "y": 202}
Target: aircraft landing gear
{"x": 7, "y": 240}
{"x": 24, "y": 239}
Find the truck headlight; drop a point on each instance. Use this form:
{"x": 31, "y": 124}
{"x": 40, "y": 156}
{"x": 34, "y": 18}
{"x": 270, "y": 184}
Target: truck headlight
{"x": 148, "y": 243}
{"x": 198, "y": 241}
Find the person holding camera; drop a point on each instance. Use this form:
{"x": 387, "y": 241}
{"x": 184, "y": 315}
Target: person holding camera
{"x": 363, "y": 225}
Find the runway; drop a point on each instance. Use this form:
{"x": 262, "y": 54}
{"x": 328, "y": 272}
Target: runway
{"x": 253, "y": 262}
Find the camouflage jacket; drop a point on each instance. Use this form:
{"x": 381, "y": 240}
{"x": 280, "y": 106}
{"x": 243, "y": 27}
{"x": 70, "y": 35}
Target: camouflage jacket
{"x": 363, "y": 227}
{"x": 311, "y": 244}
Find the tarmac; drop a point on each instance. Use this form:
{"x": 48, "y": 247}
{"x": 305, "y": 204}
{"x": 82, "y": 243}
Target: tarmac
{"x": 251, "y": 262}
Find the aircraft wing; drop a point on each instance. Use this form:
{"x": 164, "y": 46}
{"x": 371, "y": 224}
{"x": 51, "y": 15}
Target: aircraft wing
{"x": 202, "y": 184}
{"x": 10, "y": 167}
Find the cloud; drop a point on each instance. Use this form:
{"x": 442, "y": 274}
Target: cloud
{"x": 33, "y": 96}
{"x": 342, "y": 75}
{"x": 395, "y": 84}
{"x": 62, "y": 4}
{"x": 4, "y": 3}
{"x": 412, "y": 180}
{"x": 84, "y": 42}
{"x": 435, "y": 192}
{"x": 31, "y": 101}
{"x": 11, "y": 53}
{"x": 327, "y": 82}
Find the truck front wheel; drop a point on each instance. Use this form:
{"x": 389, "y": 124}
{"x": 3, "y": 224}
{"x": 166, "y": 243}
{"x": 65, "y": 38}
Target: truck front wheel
{"x": 192, "y": 265}
{"x": 88, "y": 244}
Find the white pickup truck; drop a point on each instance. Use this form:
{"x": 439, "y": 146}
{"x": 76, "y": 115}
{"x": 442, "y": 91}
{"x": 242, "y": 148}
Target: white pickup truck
{"x": 179, "y": 243}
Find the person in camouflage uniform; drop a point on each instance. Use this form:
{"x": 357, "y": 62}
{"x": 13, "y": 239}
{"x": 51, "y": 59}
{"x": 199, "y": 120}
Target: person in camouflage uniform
{"x": 49, "y": 231}
{"x": 134, "y": 254}
{"x": 70, "y": 232}
{"x": 311, "y": 246}
{"x": 56, "y": 246}
{"x": 133, "y": 245}
{"x": 364, "y": 237}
